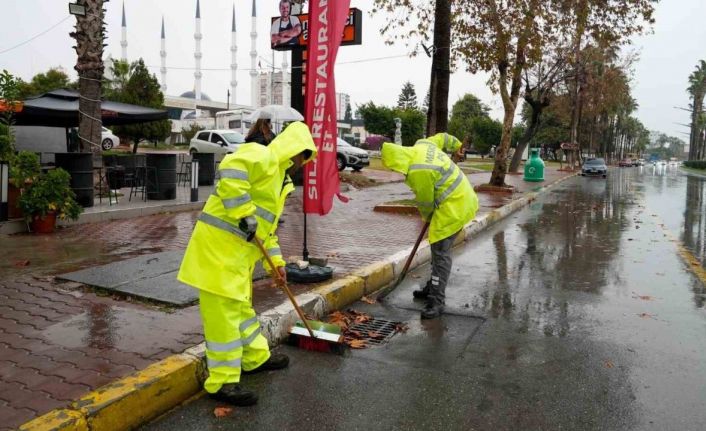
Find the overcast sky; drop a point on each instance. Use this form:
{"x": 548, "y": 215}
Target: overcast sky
{"x": 667, "y": 57}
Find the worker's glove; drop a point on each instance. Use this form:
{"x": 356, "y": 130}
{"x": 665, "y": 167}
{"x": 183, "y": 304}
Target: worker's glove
{"x": 249, "y": 226}
{"x": 282, "y": 279}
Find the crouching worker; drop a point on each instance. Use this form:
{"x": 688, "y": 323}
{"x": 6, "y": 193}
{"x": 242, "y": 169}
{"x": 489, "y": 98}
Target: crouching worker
{"x": 220, "y": 257}
{"x": 445, "y": 198}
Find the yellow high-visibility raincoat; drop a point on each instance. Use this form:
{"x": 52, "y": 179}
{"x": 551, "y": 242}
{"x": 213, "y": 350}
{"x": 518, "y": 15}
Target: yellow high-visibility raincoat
{"x": 443, "y": 141}
{"x": 443, "y": 193}
{"x": 219, "y": 261}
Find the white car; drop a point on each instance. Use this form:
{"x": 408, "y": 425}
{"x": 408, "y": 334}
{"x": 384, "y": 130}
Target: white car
{"x": 108, "y": 139}
{"x": 348, "y": 155}
{"x": 216, "y": 141}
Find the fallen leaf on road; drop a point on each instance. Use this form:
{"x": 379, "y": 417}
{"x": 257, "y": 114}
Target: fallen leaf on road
{"x": 356, "y": 334}
{"x": 221, "y": 412}
{"x": 401, "y": 327}
{"x": 609, "y": 364}
{"x": 339, "y": 319}
{"x": 645, "y": 315}
{"x": 20, "y": 263}
{"x": 416, "y": 276}
{"x": 373, "y": 334}
{"x": 356, "y": 344}
{"x": 644, "y": 297}
{"x": 368, "y": 300}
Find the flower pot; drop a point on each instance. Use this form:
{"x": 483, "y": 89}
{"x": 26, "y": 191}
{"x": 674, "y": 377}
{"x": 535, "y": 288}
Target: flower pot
{"x": 13, "y": 200}
{"x": 45, "y": 224}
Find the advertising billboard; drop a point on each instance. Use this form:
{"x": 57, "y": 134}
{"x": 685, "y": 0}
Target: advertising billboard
{"x": 290, "y": 32}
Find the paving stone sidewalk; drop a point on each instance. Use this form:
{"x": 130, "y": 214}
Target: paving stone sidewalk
{"x": 60, "y": 340}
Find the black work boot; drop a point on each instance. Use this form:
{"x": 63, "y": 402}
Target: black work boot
{"x": 277, "y": 361}
{"x": 233, "y": 393}
{"x": 422, "y": 293}
{"x": 432, "y": 310}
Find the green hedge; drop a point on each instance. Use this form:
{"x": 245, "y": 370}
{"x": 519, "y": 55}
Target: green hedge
{"x": 695, "y": 164}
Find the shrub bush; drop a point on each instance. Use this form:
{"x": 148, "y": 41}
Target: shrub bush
{"x": 695, "y": 164}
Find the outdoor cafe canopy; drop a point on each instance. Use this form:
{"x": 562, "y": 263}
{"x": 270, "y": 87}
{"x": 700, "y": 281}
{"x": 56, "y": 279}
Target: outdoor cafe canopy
{"x": 59, "y": 108}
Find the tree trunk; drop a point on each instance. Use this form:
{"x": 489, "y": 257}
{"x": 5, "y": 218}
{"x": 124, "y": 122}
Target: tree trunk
{"x": 89, "y": 65}
{"x": 497, "y": 178}
{"x": 438, "y": 114}
{"x": 531, "y": 130}
{"x": 581, "y": 17}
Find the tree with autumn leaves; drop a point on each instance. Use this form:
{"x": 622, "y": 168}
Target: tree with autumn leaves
{"x": 506, "y": 38}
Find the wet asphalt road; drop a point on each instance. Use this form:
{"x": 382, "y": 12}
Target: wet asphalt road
{"x": 576, "y": 313}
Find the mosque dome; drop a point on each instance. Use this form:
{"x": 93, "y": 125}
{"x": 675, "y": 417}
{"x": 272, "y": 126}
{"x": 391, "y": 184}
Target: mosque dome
{"x": 192, "y": 95}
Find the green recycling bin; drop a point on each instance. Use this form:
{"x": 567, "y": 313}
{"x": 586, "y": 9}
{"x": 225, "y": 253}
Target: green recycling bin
{"x": 534, "y": 168}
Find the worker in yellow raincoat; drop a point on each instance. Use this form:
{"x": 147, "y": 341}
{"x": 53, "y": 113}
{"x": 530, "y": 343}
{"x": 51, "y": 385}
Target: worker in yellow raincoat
{"x": 444, "y": 197}
{"x": 219, "y": 260}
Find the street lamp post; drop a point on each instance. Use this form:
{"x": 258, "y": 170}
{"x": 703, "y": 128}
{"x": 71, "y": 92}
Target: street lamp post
{"x": 4, "y": 179}
{"x": 194, "y": 180}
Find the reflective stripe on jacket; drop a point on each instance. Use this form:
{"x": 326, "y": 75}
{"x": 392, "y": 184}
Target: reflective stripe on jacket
{"x": 443, "y": 192}
{"x": 253, "y": 182}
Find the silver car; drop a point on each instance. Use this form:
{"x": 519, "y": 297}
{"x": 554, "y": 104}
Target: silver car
{"x": 594, "y": 167}
{"x": 216, "y": 141}
{"x": 348, "y": 155}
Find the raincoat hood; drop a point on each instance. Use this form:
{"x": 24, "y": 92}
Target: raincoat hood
{"x": 443, "y": 141}
{"x": 397, "y": 157}
{"x": 292, "y": 141}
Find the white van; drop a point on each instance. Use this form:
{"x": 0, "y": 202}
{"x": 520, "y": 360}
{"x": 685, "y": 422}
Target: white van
{"x": 235, "y": 119}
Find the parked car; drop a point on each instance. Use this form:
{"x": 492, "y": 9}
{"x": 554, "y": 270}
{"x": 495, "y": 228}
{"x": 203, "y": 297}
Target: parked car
{"x": 625, "y": 163}
{"x": 348, "y": 155}
{"x": 216, "y": 141}
{"x": 595, "y": 167}
{"x": 108, "y": 139}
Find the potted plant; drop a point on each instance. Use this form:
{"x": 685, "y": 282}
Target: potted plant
{"x": 24, "y": 170}
{"x": 47, "y": 198}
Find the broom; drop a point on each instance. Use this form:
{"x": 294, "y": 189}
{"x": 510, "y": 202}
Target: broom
{"x": 313, "y": 335}
{"x": 411, "y": 256}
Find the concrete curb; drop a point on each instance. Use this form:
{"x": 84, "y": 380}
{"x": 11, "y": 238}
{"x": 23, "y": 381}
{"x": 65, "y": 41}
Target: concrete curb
{"x": 20, "y": 226}
{"x": 146, "y": 394}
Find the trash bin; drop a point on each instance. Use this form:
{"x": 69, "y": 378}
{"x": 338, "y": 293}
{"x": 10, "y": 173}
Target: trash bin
{"x": 161, "y": 176}
{"x": 207, "y": 168}
{"x": 80, "y": 168}
{"x": 534, "y": 168}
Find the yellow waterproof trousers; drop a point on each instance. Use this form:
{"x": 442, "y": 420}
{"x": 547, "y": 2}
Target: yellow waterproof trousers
{"x": 233, "y": 339}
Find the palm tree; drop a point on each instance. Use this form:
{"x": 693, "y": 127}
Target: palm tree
{"x": 89, "y": 36}
{"x": 697, "y": 91}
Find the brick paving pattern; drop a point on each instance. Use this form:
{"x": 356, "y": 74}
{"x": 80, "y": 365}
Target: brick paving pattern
{"x": 60, "y": 340}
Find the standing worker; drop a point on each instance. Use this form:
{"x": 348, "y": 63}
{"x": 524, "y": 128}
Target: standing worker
{"x": 445, "y": 198}
{"x": 220, "y": 257}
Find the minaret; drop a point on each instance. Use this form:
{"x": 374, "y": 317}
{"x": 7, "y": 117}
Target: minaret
{"x": 254, "y": 82}
{"x": 285, "y": 79}
{"x": 123, "y": 41}
{"x": 163, "y": 55}
{"x": 233, "y": 59}
{"x": 197, "y": 53}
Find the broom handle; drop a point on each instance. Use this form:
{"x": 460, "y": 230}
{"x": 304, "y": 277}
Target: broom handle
{"x": 414, "y": 251}
{"x": 283, "y": 284}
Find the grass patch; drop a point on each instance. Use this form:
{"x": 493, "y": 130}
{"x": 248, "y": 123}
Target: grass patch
{"x": 376, "y": 163}
{"x": 693, "y": 170}
{"x": 161, "y": 146}
{"x": 358, "y": 181}
{"x": 404, "y": 202}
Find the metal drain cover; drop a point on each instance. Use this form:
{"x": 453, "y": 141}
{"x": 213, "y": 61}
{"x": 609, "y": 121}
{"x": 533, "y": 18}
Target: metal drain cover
{"x": 374, "y": 331}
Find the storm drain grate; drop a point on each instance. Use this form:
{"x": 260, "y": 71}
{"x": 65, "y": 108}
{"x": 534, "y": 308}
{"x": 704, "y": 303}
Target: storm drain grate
{"x": 374, "y": 331}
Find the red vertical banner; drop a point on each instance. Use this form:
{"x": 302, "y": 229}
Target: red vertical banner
{"x": 326, "y": 22}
